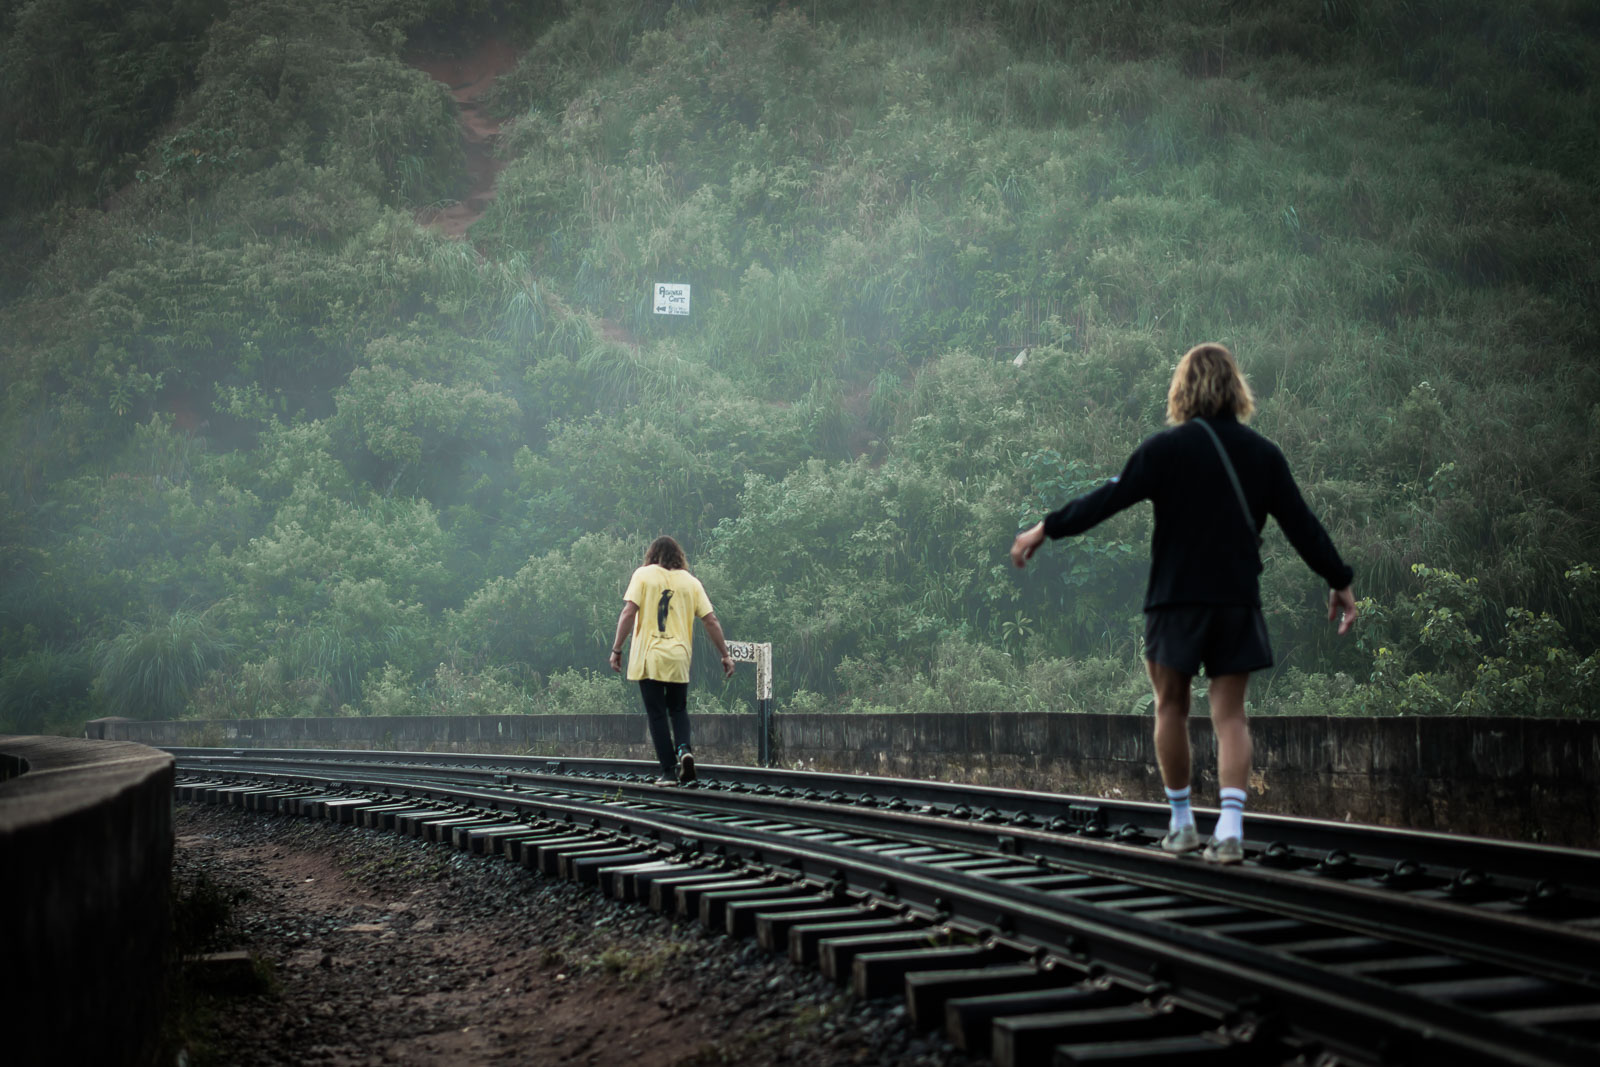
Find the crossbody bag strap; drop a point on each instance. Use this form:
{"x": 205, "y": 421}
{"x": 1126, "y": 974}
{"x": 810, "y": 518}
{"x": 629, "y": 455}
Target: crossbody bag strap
{"x": 1233, "y": 476}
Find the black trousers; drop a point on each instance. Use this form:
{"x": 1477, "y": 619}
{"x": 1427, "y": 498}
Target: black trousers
{"x": 666, "y": 708}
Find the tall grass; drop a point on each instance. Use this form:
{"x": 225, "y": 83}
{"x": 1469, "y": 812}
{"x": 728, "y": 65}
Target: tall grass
{"x": 150, "y": 669}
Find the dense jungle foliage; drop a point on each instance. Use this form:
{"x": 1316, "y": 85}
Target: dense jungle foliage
{"x": 275, "y": 448}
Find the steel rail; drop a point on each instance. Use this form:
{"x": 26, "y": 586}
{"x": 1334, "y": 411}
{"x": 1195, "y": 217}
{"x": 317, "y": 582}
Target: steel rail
{"x": 956, "y": 897}
{"x": 1545, "y": 878}
{"x": 1514, "y": 941}
{"x": 1031, "y": 919}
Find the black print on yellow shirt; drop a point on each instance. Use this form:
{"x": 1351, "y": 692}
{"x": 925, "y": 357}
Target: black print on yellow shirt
{"x": 661, "y": 610}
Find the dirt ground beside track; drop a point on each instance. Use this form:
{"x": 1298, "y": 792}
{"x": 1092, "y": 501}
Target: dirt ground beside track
{"x": 380, "y": 950}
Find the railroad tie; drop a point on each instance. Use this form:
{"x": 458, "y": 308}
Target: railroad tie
{"x": 928, "y": 991}
{"x": 884, "y": 973}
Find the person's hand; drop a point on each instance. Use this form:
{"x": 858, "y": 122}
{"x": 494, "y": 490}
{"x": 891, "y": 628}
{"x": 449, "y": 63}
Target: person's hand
{"x": 1342, "y": 606}
{"x": 727, "y": 665}
{"x": 1026, "y": 544}
{"x": 616, "y": 661}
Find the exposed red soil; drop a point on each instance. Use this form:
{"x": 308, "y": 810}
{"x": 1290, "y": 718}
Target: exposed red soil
{"x": 617, "y": 334}
{"x": 468, "y": 78}
{"x": 384, "y": 950}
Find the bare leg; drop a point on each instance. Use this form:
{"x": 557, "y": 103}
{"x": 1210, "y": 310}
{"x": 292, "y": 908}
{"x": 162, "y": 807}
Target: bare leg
{"x": 1172, "y": 723}
{"x": 1226, "y": 695}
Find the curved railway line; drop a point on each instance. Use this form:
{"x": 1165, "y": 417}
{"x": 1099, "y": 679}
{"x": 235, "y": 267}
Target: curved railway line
{"x": 1033, "y": 928}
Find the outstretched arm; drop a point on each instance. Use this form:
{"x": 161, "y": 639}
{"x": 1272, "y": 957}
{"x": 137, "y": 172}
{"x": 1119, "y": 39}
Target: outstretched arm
{"x": 714, "y": 631}
{"x": 1090, "y": 509}
{"x": 1311, "y": 540}
{"x": 1308, "y": 536}
{"x": 624, "y": 627}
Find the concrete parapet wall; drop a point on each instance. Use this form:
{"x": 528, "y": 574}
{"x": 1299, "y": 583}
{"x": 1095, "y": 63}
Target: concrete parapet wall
{"x": 723, "y": 738}
{"x": 85, "y": 869}
{"x": 1526, "y": 779}
{"x": 1529, "y": 779}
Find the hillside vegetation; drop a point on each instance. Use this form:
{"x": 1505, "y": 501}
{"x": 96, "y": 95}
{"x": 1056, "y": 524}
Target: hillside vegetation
{"x": 276, "y": 448}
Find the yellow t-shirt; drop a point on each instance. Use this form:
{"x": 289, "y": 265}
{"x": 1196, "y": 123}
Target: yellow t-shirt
{"x": 663, "y": 631}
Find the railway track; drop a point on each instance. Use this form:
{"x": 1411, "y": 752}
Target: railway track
{"x": 1032, "y": 928}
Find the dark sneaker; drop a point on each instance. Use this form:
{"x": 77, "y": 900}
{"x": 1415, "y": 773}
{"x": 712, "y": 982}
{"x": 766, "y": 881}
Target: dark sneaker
{"x": 1224, "y": 850}
{"x": 665, "y": 780}
{"x": 685, "y": 767}
{"x": 1183, "y": 839}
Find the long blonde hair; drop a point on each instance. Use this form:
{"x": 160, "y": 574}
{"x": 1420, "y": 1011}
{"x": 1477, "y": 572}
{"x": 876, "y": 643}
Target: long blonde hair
{"x": 1208, "y": 382}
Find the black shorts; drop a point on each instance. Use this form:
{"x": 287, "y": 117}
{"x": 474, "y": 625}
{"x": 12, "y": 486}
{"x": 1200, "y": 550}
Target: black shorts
{"x": 1225, "y": 638}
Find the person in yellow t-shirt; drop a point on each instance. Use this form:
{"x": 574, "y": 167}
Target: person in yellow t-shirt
{"x": 659, "y": 609}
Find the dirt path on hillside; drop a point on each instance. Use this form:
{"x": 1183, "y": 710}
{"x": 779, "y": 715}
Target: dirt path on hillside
{"x": 468, "y": 78}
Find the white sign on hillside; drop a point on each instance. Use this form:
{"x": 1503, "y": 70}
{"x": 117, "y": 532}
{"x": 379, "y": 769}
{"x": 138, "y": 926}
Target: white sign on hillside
{"x": 671, "y": 299}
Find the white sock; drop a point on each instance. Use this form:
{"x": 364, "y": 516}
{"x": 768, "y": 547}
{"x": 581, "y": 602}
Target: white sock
{"x": 1231, "y": 822}
{"x": 1182, "y": 814}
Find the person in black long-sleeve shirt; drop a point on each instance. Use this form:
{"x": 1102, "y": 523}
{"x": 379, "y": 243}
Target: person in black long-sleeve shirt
{"x": 1203, "y": 604}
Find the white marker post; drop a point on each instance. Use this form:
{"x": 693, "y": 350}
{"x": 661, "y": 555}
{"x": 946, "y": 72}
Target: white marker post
{"x": 671, "y": 298}
{"x": 761, "y": 655}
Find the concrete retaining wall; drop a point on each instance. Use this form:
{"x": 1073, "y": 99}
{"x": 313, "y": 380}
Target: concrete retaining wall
{"x": 1529, "y": 779}
{"x": 85, "y": 869}
{"x": 1526, "y": 779}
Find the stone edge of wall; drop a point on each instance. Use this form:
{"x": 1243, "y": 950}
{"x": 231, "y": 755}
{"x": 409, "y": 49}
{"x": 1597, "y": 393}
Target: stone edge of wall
{"x": 1527, "y": 779}
{"x": 86, "y": 843}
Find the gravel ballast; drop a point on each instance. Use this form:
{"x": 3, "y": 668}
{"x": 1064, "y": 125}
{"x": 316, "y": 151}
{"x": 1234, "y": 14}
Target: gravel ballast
{"x": 380, "y": 949}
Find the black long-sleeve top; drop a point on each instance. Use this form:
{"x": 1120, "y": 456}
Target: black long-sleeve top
{"x": 1201, "y": 551}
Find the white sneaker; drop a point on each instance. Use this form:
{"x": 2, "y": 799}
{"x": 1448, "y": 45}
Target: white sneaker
{"x": 1183, "y": 839}
{"x": 1225, "y": 850}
